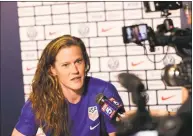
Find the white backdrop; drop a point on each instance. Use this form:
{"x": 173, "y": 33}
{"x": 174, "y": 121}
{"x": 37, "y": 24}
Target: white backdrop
{"x": 100, "y": 24}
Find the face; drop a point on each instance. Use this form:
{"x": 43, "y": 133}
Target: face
{"x": 69, "y": 67}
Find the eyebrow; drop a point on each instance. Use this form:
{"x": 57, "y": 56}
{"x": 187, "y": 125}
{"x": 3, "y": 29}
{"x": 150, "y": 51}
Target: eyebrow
{"x": 67, "y": 62}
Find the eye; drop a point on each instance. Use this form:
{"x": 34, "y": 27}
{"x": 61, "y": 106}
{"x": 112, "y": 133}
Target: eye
{"x": 65, "y": 65}
{"x": 79, "y": 61}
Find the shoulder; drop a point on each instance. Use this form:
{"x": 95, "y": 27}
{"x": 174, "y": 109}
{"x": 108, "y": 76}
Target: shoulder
{"x": 27, "y": 123}
{"x": 96, "y": 81}
{"x": 27, "y": 110}
{"x": 96, "y": 86}
{"x": 27, "y": 106}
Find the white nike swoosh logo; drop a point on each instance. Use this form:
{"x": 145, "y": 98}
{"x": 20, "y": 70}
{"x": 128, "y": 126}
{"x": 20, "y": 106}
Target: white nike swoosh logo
{"x": 91, "y": 128}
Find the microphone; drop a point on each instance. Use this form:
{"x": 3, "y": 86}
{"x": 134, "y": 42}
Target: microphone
{"x": 110, "y": 107}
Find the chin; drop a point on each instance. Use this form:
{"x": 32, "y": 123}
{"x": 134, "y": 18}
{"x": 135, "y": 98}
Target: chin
{"x": 77, "y": 87}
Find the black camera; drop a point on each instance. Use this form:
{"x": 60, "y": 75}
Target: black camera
{"x": 172, "y": 75}
{"x": 180, "y": 39}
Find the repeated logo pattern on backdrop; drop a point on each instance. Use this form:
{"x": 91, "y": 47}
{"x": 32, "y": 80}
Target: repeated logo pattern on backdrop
{"x": 100, "y": 24}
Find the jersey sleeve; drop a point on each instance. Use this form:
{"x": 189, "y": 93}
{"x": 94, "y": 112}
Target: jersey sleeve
{"x": 26, "y": 123}
{"x": 111, "y": 91}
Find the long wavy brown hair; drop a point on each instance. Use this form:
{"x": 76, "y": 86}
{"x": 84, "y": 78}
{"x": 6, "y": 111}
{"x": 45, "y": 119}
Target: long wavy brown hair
{"x": 48, "y": 101}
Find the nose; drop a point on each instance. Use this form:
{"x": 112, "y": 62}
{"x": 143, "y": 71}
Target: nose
{"x": 74, "y": 69}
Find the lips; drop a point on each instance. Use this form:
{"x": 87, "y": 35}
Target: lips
{"x": 75, "y": 78}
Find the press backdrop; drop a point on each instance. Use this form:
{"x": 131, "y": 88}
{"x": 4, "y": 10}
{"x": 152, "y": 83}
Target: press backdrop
{"x": 100, "y": 24}
{"x": 27, "y": 27}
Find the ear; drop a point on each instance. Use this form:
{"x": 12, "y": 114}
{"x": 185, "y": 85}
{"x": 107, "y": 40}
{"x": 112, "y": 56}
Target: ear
{"x": 53, "y": 70}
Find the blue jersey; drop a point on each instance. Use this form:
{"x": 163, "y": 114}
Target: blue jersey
{"x": 86, "y": 117}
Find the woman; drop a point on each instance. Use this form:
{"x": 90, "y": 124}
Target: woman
{"x": 62, "y": 101}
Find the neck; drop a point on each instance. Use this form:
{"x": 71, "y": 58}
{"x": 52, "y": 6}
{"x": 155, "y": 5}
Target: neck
{"x": 73, "y": 96}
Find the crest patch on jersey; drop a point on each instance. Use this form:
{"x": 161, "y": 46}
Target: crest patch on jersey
{"x": 93, "y": 113}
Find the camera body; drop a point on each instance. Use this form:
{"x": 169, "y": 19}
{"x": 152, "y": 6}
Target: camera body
{"x": 180, "y": 39}
{"x": 172, "y": 75}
